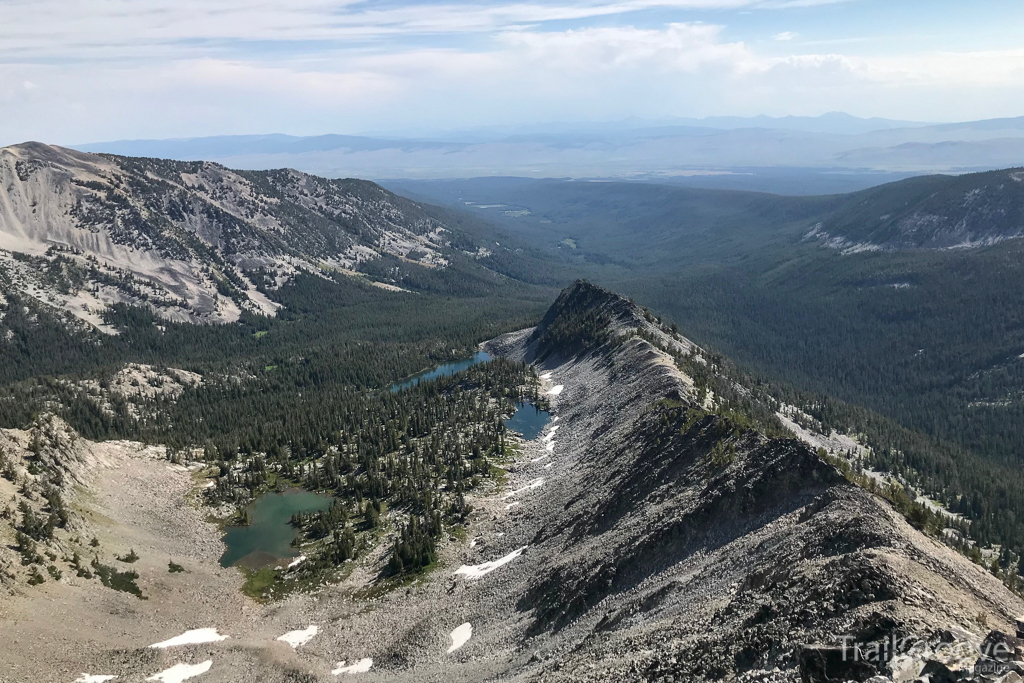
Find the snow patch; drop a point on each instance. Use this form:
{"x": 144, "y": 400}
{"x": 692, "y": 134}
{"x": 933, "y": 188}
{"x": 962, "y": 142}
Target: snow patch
{"x": 511, "y": 505}
{"x": 360, "y": 667}
{"x": 298, "y": 638}
{"x": 536, "y": 483}
{"x": 461, "y": 636}
{"x": 181, "y": 672}
{"x": 550, "y": 435}
{"x": 87, "y": 678}
{"x": 479, "y": 570}
{"x": 550, "y": 446}
{"x": 546, "y": 375}
{"x": 193, "y": 637}
{"x": 296, "y": 562}
{"x": 555, "y": 390}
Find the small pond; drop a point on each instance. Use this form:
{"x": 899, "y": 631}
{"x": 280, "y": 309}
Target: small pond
{"x": 529, "y": 420}
{"x": 442, "y": 371}
{"x": 268, "y": 538}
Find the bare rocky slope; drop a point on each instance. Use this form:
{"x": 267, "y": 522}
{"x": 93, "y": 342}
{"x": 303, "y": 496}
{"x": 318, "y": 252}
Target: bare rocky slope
{"x": 191, "y": 241}
{"x": 651, "y": 533}
{"x": 929, "y": 212}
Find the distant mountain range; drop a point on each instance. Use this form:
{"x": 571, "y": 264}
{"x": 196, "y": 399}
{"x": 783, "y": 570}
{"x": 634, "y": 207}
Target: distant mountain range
{"x": 837, "y": 152}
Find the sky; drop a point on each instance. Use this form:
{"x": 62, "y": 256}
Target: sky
{"x": 78, "y": 71}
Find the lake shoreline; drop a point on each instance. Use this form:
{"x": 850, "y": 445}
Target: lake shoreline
{"x": 269, "y": 535}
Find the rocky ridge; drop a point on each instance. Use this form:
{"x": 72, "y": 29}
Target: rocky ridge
{"x": 191, "y": 241}
{"x": 689, "y": 547}
{"x": 651, "y": 533}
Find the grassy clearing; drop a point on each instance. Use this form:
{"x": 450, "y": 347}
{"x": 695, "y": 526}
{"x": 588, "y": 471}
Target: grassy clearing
{"x": 258, "y": 582}
{"x": 499, "y": 476}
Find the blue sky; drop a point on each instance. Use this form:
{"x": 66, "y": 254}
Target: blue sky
{"x": 112, "y": 69}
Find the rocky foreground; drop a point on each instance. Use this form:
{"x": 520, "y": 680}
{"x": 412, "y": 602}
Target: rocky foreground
{"x": 647, "y": 535}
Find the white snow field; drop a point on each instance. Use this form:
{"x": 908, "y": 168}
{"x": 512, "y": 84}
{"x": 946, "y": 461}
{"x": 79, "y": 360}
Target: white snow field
{"x": 535, "y": 484}
{"x": 476, "y": 571}
{"x": 193, "y": 637}
{"x": 360, "y": 667}
{"x": 555, "y": 390}
{"x": 181, "y": 672}
{"x": 299, "y": 638}
{"x": 461, "y": 636}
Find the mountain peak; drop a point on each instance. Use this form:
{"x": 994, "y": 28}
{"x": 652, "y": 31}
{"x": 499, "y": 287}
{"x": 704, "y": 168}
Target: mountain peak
{"x": 586, "y": 317}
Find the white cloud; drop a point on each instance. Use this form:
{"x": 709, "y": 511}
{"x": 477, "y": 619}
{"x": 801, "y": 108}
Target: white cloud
{"x": 786, "y": 35}
{"x": 102, "y": 29}
{"x": 677, "y": 48}
{"x": 106, "y": 69}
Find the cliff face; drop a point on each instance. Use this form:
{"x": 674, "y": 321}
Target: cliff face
{"x": 190, "y": 240}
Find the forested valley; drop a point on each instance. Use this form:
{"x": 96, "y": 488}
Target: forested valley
{"x": 914, "y": 352}
{"x": 917, "y": 351}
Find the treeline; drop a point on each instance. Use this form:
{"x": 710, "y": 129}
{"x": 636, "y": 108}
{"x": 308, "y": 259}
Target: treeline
{"x": 988, "y": 493}
{"x": 930, "y": 339}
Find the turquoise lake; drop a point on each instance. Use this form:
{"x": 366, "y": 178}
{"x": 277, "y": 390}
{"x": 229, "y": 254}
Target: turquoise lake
{"x": 269, "y": 536}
